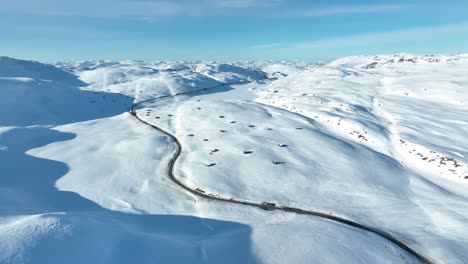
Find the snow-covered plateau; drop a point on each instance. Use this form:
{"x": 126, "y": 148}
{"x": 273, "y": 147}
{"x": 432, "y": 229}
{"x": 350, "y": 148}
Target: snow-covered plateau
{"x": 361, "y": 160}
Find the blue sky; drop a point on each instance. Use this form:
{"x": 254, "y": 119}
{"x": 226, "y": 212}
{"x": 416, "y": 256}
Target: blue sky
{"x": 50, "y": 30}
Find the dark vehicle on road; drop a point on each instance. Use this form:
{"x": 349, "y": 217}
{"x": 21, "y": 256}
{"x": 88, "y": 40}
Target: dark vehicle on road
{"x": 268, "y": 206}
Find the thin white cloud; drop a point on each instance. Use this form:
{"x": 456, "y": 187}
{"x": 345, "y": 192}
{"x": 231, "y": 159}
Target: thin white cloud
{"x": 348, "y": 10}
{"x": 134, "y": 9}
{"x": 245, "y": 3}
{"x": 145, "y": 9}
{"x": 270, "y": 46}
{"x": 92, "y": 8}
{"x": 370, "y": 39}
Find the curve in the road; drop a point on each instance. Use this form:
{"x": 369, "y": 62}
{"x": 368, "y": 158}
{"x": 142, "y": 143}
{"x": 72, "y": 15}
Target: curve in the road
{"x": 265, "y": 205}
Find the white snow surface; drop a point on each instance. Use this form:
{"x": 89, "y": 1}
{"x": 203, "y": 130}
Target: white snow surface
{"x": 381, "y": 140}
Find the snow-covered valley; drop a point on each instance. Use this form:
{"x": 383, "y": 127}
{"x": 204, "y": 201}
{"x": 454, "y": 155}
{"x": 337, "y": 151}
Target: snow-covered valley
{"x": 379, "y": 140}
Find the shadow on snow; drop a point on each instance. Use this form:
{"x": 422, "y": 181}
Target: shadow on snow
{"x": 48, "y": 96}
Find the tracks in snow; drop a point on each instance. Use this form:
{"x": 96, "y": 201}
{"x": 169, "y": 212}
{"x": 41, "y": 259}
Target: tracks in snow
{"x": 265, "y": 205}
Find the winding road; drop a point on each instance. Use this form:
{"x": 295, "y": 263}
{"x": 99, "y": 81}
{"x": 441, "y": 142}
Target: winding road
{"x": 265, "y": 205}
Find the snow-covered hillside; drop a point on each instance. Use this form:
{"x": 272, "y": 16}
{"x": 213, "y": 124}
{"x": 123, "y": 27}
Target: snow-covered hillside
{"x": 379, "y": 140}
{"x": 371, "y": 62}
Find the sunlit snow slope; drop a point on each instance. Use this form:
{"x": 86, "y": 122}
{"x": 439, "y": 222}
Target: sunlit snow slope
{"x": 380, "y": 140}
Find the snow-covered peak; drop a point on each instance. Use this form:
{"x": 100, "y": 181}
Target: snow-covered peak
{"x": 171, "y": 66}
{"x": 229, "y": 73}
{"x": 371, "y": 62}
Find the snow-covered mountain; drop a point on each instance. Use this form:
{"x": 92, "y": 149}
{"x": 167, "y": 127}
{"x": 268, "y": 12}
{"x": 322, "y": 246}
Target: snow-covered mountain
{"x": 375, "y": 140}
{"x": 371, "y": 62}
